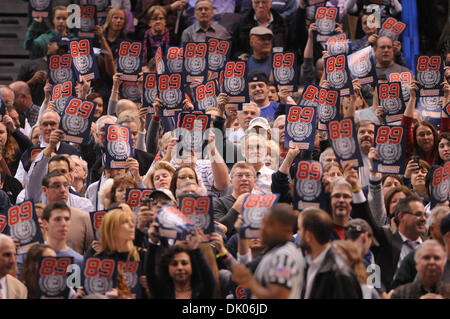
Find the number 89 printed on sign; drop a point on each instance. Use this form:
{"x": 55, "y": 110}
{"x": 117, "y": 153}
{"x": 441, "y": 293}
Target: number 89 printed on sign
{"x": 254, "y": 208}
{"x": 130, "y": 60}
{"x": 84, "y": 60}
{"x": 60, "y": 68}
{"x": 76, "y": 119}
{"x": 440, "y": 188}
{"x": 134, "y": 196}
{"x": 199, "y": 210}
{"x": 118, "y": 146}
{"x": 326, "y": 22}
{"x": 170, "y": 92}
{"x": 390, "y": 145}
{"x": 206, "y": 95}
{"x": 284, "y": 70}
{"x": 60, "y": 93}
{"x": 234, "y": 81}
{"x": 300, "y": 127}
{"x": 52, "y": 277}
{"x": 23, "y": 225}
{"x": 194, "y": 62}
{"x": 99, "y": 275}
{"x": 343, "y": 141}
{"x": 390, "y": 97}
{"x": 336, "y": 71}
{"x": 308, "y": 184}
{"x": 429, "y": 74}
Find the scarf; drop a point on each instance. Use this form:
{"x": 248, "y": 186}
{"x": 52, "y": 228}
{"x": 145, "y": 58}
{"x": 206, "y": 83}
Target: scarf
{"x": 152, "y": 42}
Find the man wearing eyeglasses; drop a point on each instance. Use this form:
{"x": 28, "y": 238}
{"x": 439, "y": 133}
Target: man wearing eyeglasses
{"x": 48, "y": 123}
{"x": 227, "y": 208}
{"x": 55, "y": 187}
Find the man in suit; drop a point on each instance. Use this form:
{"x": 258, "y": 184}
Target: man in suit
{"x": 328, "y": 276}
{"x": 10, "y": 287}
{"x": 411, "y": 217}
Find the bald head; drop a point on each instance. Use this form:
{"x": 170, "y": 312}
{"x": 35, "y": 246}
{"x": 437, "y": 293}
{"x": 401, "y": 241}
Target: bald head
{"x": 7, "y": 94}
{"x": 22, "y": 95}
{"x": 125, "y": 104}
{"x": 384, "y": 52}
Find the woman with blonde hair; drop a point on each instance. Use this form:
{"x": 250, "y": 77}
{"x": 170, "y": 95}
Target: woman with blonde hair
{"x": 115, "y": 29}
{"x": 348, "y": 251}
{"x": 160, "y": 176}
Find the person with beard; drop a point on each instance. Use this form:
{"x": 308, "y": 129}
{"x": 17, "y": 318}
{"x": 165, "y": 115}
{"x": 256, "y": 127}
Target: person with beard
{"x": 280, "y": 271}
{"x": 56, "y": 222}
{"x": 227, "y": 208}
{"x": 327, "y": 275}
{"x": 366, "y": 135}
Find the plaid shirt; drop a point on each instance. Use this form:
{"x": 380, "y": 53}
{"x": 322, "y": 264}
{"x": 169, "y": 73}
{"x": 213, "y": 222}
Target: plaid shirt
{"x": 32, "y": 114}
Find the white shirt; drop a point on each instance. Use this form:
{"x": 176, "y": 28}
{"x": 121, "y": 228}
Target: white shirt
{"x": 406, "y": 249}
{"x": 3, "y": 288}
{"x": 314, "y": 266}
{"x": 264, "y": 179}
{"x": 364, "y": 171}
{"x": 236, "y": 136}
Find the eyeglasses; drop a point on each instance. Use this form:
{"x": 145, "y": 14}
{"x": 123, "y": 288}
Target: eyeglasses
{"x": 59, "y": 186}
{"x": 241, "y": 176}
{"x": 44, "y": 124}
{"x": 417, "y": 214}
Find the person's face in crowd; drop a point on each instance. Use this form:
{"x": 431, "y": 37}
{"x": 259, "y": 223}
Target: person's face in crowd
{"x": 243, "y": 181}
{"x": 255, "y": 243}
{"x": 414, "y": 224}
{"x": 39, "y": 212}
{"x": 98, "y": 108}
{"x": 158, "y": 202}
{"x": 280, "y": 126}
{"x": 231, "y": 109}
{"x": 394, "y": 201}
{"x": 101, "y": 130}
{"x": 258, "y": 91}
{"x": 384, "y": 51}
{"x": 58, "y": 224}
{"x": 62, "y": 167}
{"x": 52, "y": 48}
{"x": 431, "y": 265}
{"x": 366, "y": 135}
{"x": 125, "y": 231}
{"x": 418, "y": 177}
{"x": 334, "y": 172}
{"x": 425, "y": 138}
{"x": 272, "y": 231}
{"x": 7, "y": 257}
{"x": 162, "y": 178}
{"x": 273, "y": 94}
{"x": 57, "y": 190}
{"x": 180, "y": 267}
{"x": 341, "y": 199}
{"x": 261, "y": 7}
{"x": 134, "y": 132}
{"x": 3, "y": 135}
{"x": 368, "y": 31}
{"x": 255, "y": 149}
{"x": 330, "y": 158}
{"x": 7, "y": 95}
{"x": 248, "y": 113}
{"x": 389, "y": 182}
{"x": 444, "y": 149}
{"x": 158, "y": 23}
{"x": 434, "y": 228}
{"x": 121, "y": 191}
{"x": 184, "y": 175}
{"x": 35, "y": 136}
{"x": 118, "y": 21}
{"x": 78, "y": 170}
{"x": 48, "y": 123}
{"x": 261, "y": 45}
{"x": 203, "y": 12}
{"x": 60, "y": 20}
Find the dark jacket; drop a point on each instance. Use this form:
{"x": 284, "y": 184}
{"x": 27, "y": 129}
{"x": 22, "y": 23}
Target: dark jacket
{"x": 241, "y": 35}
{"x": 387, "y": 254}
{"x": 406, "y": 272}
{"x": 335, "y": 279}
{"x": 415, "y": 290}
